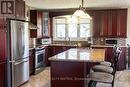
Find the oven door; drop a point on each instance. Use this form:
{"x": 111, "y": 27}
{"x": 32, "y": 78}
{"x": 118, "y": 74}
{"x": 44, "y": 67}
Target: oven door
{"x": 40, "y": 59}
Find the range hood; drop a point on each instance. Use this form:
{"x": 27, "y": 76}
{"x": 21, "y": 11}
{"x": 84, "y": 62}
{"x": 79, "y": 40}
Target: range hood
{"x": 32, "y": 26}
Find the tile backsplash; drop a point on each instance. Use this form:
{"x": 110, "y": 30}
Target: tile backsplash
{"x": 101, "y": 41}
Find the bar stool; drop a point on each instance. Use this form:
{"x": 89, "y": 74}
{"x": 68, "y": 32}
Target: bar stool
{"x": 107, "y": 66}
{"x": 102, "y": 76}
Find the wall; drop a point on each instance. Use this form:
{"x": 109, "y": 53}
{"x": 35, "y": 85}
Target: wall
{"x": 128, "y": 27}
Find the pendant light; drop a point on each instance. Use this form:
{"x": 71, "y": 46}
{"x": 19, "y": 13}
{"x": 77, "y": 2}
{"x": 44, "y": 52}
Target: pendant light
{"x": 81, "y": 11}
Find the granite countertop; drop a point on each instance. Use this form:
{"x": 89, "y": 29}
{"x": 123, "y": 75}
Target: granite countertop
{"x": 61, "y": 45}
{"x": 105, "y": 46}
{"x": 80, "y": 55}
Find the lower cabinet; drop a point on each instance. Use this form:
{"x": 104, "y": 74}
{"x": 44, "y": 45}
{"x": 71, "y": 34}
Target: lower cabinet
{"x": 3, "y": 74}
{"x": 31, "y": 61}
{"x": 109, "y": 55}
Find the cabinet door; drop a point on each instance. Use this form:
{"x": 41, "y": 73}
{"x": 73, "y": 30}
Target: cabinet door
{"x": 3, "y": 74}
{"x": 31, "y": 61}
{"x": 104, "y": 23}
{"x": 36, "y": 19}
{"x": 122, "y": 59}
{"x": 121, "y": 23}
{"x": 108, "y": 54}
{"x": 46, "y": 24}
{"x": 113, "y": 24}
{"x": 96, "y": 23}
{"x": 39, "y": 23}
{"x": 20, "y": 9}
{"x": 108, "y": 23}
{"x": 3, "y": 55}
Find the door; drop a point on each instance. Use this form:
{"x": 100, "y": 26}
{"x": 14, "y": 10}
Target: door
{"x": 19, "y": 40}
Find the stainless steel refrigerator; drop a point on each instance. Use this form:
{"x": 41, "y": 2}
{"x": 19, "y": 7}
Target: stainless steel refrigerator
{"x": 18, "y": 52}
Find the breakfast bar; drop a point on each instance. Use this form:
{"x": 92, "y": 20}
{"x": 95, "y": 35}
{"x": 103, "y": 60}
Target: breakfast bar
{"x": 70, "y": 68}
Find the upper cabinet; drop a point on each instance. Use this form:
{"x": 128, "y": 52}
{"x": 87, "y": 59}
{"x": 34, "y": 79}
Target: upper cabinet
{"x": 41, "y": 20}
{"x": 110, "y": 23}
{"x": 13, "y": 9}
{"x": 46, "y": 24}
{"x": 36, "y": 19}
{"x": 122, "y": 23}
{"x": 20, "y": 9}
{"x": 96, "y": 23}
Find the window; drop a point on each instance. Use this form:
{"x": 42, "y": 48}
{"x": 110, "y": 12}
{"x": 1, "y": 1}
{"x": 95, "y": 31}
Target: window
{"x": 72, "y": 27}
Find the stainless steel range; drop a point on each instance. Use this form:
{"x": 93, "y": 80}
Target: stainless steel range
{"x": 39, "y": 59}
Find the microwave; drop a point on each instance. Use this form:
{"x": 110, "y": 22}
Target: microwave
{"x": 111, "y": 42}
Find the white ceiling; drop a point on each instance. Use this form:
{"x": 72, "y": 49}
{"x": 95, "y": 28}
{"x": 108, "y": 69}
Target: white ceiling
{"x": 65, "y": 4}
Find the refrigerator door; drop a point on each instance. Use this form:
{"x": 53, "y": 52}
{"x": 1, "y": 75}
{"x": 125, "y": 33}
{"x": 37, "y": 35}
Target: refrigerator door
{"x": 20, "y": 72}
{"x": 19, "y": 40}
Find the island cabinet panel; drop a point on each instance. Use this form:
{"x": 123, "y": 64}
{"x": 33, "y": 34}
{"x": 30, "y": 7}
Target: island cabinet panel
{"x": 67, "y": 74}
{"x": 48, "y": 54}
{"x": 3, "y": 79}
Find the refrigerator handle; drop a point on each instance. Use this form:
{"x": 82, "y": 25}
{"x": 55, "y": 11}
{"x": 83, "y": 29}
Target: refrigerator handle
{"x": 21, "y": 62}
{"x": 11, "y": 61}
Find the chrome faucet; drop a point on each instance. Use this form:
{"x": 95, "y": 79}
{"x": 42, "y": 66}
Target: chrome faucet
{"x": 69, "y": 40}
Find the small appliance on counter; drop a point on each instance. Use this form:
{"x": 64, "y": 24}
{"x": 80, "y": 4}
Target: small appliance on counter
{"x": 46, "y": 41}
{"x": 111, "y": 42}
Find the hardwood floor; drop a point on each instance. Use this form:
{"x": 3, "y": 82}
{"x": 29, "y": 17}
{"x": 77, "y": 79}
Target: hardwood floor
{"x": 122, "y": 79}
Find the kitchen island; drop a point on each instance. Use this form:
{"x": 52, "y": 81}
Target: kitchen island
{"x": 70, "y": 68}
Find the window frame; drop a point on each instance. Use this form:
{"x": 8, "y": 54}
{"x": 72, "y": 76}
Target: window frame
{"x": 78, "y": 38}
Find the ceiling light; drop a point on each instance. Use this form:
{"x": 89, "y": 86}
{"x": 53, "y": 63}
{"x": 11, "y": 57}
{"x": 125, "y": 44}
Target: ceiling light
{"x": 81, "y": 11}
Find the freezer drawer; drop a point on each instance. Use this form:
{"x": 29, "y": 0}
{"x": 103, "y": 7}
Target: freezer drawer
{"x": 21, "y": 72}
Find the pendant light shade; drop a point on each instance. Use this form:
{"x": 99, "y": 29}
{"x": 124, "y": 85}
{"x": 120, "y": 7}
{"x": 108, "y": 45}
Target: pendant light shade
{"x": 81, "y": 12}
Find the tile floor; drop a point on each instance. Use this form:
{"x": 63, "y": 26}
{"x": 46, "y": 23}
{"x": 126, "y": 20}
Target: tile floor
{"x": 40, "y": 80}
{"x": 122, "y": 79}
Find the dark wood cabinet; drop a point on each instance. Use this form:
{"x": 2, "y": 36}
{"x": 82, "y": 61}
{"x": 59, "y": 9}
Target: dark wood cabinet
{"x": 46, "y": 25}
{"x": 3, "y": 79}
{"x": 3, "y": 55}
{"x": 48, "y": 54}
{"x": 14, "y": 9}
{"x": 31, "y": 61}
{"x": 122, "y": 23}
{"x": 122, "y": 60}
{"x": 73, "y": 74}
{"x": 36, "y": 19}
{"x": 96, "y": 23}
{"x": 109, "y": 55}
{"x": 110, "y": 23}
{"x": 42, "y": 21}
{"x": 20, "y": 9}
